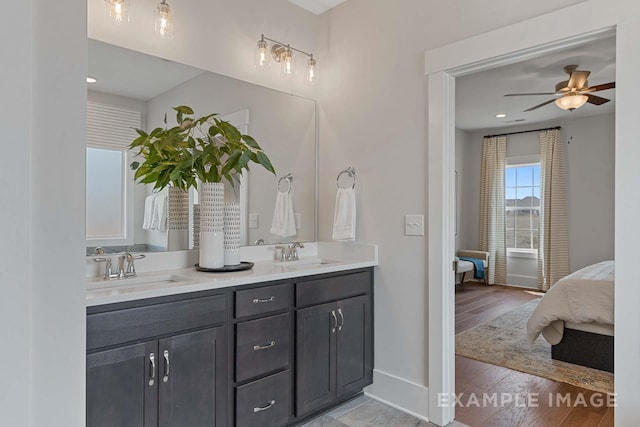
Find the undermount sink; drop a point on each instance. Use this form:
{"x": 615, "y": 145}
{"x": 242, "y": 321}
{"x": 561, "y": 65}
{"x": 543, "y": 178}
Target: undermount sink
{"x": 140, "y": 281}
{"x": 304, "y": 261}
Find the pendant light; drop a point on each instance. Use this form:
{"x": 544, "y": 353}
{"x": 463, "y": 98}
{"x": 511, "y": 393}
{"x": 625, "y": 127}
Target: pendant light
{"x": 118, "y": 10}
{"x": 312, "y": 70}
{"x": 288, "y": 62}
{"x": 164, "y": 20}
{"x": 262, "y": 57}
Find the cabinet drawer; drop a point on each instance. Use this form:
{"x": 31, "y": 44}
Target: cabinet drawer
{"x": 262, "y": 346}
{"x": 121, "y": 326}
{"x": 262, "y": 300}
{"x": 264, "y": 403}
{"x": 332, "y": 288}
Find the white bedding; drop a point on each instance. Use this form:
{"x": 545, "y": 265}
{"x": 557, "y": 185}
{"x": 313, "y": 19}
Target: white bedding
{"x": 581, "y": 297}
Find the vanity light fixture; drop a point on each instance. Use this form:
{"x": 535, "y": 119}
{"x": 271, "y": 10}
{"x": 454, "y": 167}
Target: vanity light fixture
{"x": 118, "y": 10}
{"x": 283, "y": 54}
{"x": 164, "y": 20}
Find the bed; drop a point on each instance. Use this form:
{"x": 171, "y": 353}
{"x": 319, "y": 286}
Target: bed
{"x": 576, "y": 316}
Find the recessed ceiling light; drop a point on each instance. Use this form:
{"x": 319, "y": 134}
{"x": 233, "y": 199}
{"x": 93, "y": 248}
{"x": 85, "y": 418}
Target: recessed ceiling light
{"x": 91, "y": 80}
{"x": 501, "y": 116}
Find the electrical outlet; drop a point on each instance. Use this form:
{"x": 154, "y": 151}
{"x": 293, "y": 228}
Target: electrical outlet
{"x": 414, "y": 225}
{"x": 298, "y": 220}
{"x": 254, "y": 220}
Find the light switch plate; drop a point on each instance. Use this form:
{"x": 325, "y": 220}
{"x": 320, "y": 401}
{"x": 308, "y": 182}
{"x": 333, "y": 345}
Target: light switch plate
{"x": 414, "y": 225}
{"x": 254, "y": 220}
{"x": 298, "y": 221}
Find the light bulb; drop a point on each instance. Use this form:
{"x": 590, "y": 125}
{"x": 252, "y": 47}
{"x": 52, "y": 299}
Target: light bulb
{"x": 312, "y": 70}
{"x": 262, "y": 58}
{"x": 571, "y": 101}
{"x": 118, "y": 10}
{"x": 288, "y": 63}
{"x": 164, "y": 20}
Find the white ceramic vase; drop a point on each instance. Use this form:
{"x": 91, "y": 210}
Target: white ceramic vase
{"x": 177, "y": 219}
{"x": 212, "y": 225}
{"x": 232, "y": 234}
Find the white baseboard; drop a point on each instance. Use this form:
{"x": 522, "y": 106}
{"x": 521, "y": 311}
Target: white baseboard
{"x": 399, "y": 393}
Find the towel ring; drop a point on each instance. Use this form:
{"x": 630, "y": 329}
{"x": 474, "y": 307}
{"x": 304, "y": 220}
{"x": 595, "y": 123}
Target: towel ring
{"x": 352, "y": 174}
{"x": 289, "y": 178}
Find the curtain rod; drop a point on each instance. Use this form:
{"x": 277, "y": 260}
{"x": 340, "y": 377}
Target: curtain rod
{"x": 523, "y": 131}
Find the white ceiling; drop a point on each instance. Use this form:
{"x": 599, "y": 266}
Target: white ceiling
{"x": 127, "y": 73}
{"x": 317, "y": 6}
{"x": 480, "y": 96}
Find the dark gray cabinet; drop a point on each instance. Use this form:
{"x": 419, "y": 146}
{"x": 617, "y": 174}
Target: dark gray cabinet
{"x": 171, "y": 378}
{"x": 334, "y": 342}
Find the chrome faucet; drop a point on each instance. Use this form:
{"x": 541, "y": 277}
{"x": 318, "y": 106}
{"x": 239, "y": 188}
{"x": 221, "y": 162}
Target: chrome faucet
{"x": 292, "y": 251}
{"x": 130, "y": 271}
{"x": 108, "y": 270}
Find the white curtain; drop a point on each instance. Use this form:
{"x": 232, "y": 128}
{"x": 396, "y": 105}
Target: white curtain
{"x": 492, "y": 207}
{"x": 553, "y": 238}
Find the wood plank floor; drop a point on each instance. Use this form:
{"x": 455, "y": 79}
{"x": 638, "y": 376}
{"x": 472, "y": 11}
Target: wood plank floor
{"x": 520, "y": 399}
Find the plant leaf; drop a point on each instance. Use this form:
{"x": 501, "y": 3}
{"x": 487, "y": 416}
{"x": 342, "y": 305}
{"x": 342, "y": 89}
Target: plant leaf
{"x": 251, "y": 142}
{"x": 265, "y": 162}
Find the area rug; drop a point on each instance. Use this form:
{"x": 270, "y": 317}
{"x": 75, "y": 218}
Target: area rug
{"x": 503, "y": 342}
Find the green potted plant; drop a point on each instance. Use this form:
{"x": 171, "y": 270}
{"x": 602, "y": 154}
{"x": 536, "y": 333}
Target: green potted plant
{"x": 206, "y": 149}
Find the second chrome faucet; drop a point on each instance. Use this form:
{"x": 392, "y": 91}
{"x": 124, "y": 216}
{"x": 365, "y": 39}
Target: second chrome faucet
{"x": 288, "y": 253}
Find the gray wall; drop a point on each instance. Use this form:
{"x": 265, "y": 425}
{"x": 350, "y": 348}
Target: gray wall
{"x": 590, "y": 182}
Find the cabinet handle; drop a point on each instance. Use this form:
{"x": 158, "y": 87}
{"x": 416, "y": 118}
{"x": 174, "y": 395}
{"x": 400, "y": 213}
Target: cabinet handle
{"x": 264, "y": 407}
{"x": 263, "y": 347}
{"x": 341, "y": 319}
{"x": 152, "y": 362}
{"x": 262, "y": 301}
{"x": 166, "y": 366}
{"x": 335, "y": 320}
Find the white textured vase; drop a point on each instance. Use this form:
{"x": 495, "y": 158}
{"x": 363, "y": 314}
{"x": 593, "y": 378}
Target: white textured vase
{"x": 212, "y": 225}
{"x": 232, "y": 234}
{"x": 177, "y": 219}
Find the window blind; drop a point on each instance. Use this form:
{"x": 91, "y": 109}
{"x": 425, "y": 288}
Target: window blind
{"x": 111, "y": 126}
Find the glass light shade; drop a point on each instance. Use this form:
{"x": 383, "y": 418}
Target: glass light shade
{"x": 163, "y": 20}
{"x": 118, "y": 10}
{"x": 262, "y": 58}
{"x": 312, "y": 71}
{"x": 288, "y": 62}
{"x": 571, "y": 102}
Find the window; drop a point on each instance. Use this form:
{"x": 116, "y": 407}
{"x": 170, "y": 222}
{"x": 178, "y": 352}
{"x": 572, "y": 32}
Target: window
{"x": 522, "y": 193}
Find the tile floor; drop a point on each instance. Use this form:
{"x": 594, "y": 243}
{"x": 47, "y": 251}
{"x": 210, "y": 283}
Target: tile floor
{"x": 366, "y": 412}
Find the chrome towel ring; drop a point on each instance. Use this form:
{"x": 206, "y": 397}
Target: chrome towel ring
{"x": 352, "y": 174}
{"x": 289, "y": 178}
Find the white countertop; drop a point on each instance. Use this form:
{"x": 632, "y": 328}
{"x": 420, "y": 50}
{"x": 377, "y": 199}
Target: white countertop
{"x": 178, "y": 281}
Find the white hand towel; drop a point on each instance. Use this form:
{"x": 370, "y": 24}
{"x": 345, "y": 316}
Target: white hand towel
{"x": 344, "y": 219}
{"x": 284, "y": 221}
{"x": 148, "y": 212}
{"x": 159, "y": 218}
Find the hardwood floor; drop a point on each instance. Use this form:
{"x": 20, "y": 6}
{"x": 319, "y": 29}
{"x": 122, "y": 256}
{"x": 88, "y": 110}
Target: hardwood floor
{"x": 519, "y": 399}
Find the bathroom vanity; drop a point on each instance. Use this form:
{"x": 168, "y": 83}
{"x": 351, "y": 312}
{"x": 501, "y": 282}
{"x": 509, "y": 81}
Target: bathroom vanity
{"x": 268, "y": 347}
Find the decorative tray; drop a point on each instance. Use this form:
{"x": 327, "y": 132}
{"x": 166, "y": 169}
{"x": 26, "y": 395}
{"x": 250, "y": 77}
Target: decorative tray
{"x": 244, "y": 265}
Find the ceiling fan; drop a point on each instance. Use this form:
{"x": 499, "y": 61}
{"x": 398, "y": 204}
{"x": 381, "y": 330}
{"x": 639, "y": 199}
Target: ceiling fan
{"x": 572, "y": 93}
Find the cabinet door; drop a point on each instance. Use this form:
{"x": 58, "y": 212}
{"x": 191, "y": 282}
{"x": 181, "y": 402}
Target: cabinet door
{"x": 192, "y": 379}
{"x": 354, "y": 345}
{"x": 122, "y": 387}
{"x": 315, "y": 357}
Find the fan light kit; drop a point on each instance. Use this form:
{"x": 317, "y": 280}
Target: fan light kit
{"x": 118, "y": 11}
{"x": 284, "y": 55}
{"x": 572, "y": 93}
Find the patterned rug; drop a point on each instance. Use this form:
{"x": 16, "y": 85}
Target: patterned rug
{"x": 503, "y": 342}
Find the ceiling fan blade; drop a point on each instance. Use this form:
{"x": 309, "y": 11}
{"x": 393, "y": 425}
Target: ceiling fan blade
{"x": 596, "y": 100}
{"x": 604, "y": 86}
{"x": 540, "y": 105}
{"x": 529, "y": 94}
{"x": 578, "y": 79}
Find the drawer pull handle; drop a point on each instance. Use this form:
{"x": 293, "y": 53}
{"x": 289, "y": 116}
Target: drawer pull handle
{"x": 152, "y": 373}
{"x": 335, "y": 322}
{"x": 263, "y": 347}
{"x": 166, "y": 366}
{"x": 264, "y": 407}
{"x": 262, "y": 301}
{"x": 341, "y": 319}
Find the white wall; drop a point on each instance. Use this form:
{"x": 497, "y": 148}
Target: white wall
{"x": 590, "y": 188}
{"x": 42, "y": 214}
{"x": 373, "y": 108}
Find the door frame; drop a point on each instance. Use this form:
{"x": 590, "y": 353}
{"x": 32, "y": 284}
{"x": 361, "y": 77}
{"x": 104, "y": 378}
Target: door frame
{"x": 572, "y": 26}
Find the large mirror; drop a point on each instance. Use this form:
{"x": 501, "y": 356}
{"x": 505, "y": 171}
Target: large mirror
{"x": 137, "y": 90}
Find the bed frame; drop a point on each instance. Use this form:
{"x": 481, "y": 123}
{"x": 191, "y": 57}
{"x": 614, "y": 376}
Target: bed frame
{"x": 585, "y": 349}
